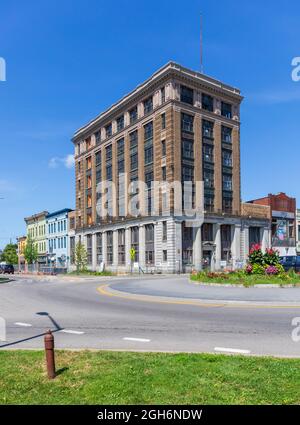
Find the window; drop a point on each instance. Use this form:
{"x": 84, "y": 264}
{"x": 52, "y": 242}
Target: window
{"x": 89, "y": 163}
{"x": 227, "y": 158}
{"x": 120, "y": 147}
{"x": 208, "y": 177}
{"x": 72, "y": 249}
{"x": 135, "y": 242}
{"x": 88, "y": 143}
{"x": 187, "y": 173}
{"x": 207, "y": 103}
{"x": 88, "y": 185}
{"x": 133, "y": 139}
{"x": 120, "y": 123}
{"x": 149, "y": 241}
{"x": 187, "y": 123}
{"x": 163, "y": 121}
{"x": 207, "y": 129}
{"x": 226, "y": 110}
{"x": 227, "y": 182}
{"x": 226, "y": 133}
{"x": 97, "y": 137}
{"x": 164, "y": 173}
{"x": 148, "y": 179}
{"x": 149, "y": 155}
{"x": 187, "y": 149}
{"x": 121, "y": 247}
{"x": 148, "y": 131}
{"x": 209, "y": 203}
{"x": 133, "y": 115}
{"x": 134, "y": 161}
{"x": 207, "y": 232}
{"x": 186, "y": 95}
{"x": 163, "y": 95}
{"x": 164, "y": 231}
{"x": 109, "y": 172}
{"x": 108, "y": 152}
{"x": 148, "y": 105}
{"x": 108, "y": 130}
{"x": 163, "y": 148}
{"x": 208, "y": 153}
{"x": 99, "y": 248}
{"x": 109, "y": 239}
{"x": 98, "y": 158}
{"x": 165, "y": 255}
{"x": 227, "y": 205}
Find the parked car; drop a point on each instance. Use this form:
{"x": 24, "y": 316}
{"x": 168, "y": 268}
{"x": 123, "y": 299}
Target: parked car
{"x": 291, "y": 262}
{"x": 7, "y": 268}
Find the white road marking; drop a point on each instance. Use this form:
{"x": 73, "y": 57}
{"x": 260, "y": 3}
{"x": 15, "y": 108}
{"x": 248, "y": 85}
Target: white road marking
{"x": 28, "y": 325}
{"x": 137, "y": 339}
{"x": 232, "y": 350}
{"x": 69, "y": 331}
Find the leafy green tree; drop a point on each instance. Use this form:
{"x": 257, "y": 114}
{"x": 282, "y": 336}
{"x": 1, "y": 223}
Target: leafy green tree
{"x": 9, "y": 254}
{"x": 30, "y": 251}
{"x": 80, "y": 257}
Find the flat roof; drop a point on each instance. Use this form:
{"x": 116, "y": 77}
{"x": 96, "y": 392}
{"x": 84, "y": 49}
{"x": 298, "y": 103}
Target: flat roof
{"x": 169, "y": 67}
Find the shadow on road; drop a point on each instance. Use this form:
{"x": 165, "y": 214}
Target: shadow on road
{"x": 56, "y": 326}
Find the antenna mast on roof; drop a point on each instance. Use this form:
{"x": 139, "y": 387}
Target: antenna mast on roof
{"x": 201, "y": 44}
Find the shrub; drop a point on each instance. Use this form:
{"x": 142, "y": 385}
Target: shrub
{"x": 271, "y": 257}
{"x": 258, "y": 269}
{"x": 256, "y": 255}
{"x": 249, "y": 269}
{"x": 271, "y": 270}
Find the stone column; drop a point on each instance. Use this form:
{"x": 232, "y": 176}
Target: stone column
{"x": 246, "y": 243}
{"x": 236, "y": 244}
{"x": 178, "y": 247}
{"x": 94, "y": 251}
{"x": 115, "y": 249}
{"x": 217, "y": 241}
{"x": 197, "y": 248}
{"x": 104, "y": 248}
{"x": 127, "y": 248}
{"x": 142, "y": 246}
{"x": 265, "y": 240}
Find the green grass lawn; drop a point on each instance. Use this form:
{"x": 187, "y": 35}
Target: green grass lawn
{"x": 151, "y": 378}
{"x": 91, "y": 273}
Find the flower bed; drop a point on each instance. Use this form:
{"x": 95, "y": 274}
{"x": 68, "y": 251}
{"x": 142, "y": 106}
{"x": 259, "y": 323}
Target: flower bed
{"x": 262, "y": 268}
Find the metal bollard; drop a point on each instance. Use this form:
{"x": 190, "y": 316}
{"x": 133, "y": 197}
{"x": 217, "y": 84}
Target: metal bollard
{"x": 49, "y": 350}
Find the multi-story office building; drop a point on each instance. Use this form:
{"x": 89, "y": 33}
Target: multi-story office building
{"x": 283, "y": 221}
{"x": 178, "y": 126}
{"x": 36, "y": 230}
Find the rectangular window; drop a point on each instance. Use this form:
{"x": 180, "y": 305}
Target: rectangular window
{"x": 121, "y": 247}
{"x": 226, "y": 110}
{"x": 99, "y": 248}
{"x": 227, "y": 205}
{"x": 208, "y": 154}
{"x": 165, "y": 255}
{"x": 164, "y": 173}
{"x": 207, "y": 102}
{"x": 207, "y": 232}
{"x": 149, "y": 155}
{"x": 227, "y": 182}
{"x": 135, "y": 242}
{"x": 164, "y": 231}
{"x": 208, "y": 178}
{"x": 163, "y": 148}
{"x": 186, "y": 95}
{"x": 163, "y": 95}
{"x": 120, "y": 123}
{"x": 120, "y": 147}
{"x": 97, "y": 137}
{"x": 187, "y": 123}
{"x": 187, "y": 149}
{"x": 148, "y": 105}
{"x": 226, "y": 134}
{"x": 108, "y": 152}
{"x": 133, "y": 115}
{"x": 98, "y": 158}
{"x": 163, "y": 121}
{"x": 227, "y": 158}
{"x": 109, "y": 236}
{"x": 208, "y": 129}
{"x": 108, "y": 130}
{"x": 148, "y": 131}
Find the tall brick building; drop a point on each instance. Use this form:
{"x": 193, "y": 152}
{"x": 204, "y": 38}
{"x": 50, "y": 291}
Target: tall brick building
{"x": 178, "y": 126}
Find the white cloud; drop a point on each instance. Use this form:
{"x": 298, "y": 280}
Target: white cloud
{"x": 67, "y": 161}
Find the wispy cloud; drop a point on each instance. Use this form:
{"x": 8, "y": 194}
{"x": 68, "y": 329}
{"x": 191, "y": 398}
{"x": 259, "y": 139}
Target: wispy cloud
{"x": 67, "y": 161}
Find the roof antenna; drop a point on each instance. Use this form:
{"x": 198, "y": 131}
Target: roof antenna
{"x": 201, "y": 44}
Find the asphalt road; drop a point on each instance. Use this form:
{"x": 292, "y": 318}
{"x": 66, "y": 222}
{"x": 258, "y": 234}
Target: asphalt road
{"x": 149, "y": 314}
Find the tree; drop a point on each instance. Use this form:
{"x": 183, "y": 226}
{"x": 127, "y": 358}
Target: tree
{"x": 30, "y": 251}
{"x": 9, "y": 254}
{"x": 80, "y": 257}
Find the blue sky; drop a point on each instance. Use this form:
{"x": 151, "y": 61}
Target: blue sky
{"x": 69, "y": 60}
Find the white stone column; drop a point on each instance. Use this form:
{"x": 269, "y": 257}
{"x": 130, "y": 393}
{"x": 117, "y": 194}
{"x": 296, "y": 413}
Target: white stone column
{"x": 115, "y": 249}
{"x": 197, "y": 248}
{"x": 236, "y": 244}
{"x": 104, "y": 248}
{"x": 178, "y": 247}
{"x": 127, "y": 248}
{"x": 142, "y": 246}
{"x": 246, "y": 243}
{"x": 94, "y": 251}
{"x": 266, "y": 238}
{"x": 217, "y": 241}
